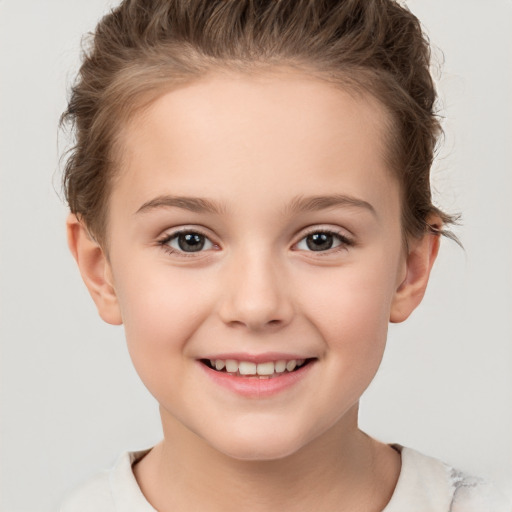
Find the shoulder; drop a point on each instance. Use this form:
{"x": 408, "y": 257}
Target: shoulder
{"x": 473, "y": 494}
{"x": 426, "y": 483}
{"x": 110, "y": 490}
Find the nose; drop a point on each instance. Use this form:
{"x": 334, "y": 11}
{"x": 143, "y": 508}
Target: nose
{"x": 256, "y": 294}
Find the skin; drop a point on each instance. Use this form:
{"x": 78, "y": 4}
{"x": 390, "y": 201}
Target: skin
{"x": 255, "y": 147}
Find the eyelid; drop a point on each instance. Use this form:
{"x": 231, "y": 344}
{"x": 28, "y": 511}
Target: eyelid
{"x": 345, "y": 240}
{"x": 167, "y": 236}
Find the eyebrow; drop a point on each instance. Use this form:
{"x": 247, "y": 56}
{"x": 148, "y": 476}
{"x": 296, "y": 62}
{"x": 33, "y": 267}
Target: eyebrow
{"x": 297, "y": 205}
{"x": 193, "y": 204}
{"x": 316, "y": 203}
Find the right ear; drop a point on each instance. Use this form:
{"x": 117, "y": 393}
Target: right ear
{"x": 95, "y": 270}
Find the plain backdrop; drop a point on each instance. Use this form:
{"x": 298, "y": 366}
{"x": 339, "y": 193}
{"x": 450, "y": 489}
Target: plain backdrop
{"x": 71, "y": 401}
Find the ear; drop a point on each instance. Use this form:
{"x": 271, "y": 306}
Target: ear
{"x": 95, "y": 270}
{"x": 420, "y": 258}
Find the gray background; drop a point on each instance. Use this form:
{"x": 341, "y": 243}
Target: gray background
{"x": 71, "y": 401}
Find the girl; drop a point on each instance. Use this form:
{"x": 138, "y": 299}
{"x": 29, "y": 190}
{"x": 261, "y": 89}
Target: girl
{"x": 250, "y": 198}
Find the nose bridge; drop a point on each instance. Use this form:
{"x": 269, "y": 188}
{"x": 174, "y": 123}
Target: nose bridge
{"x": 256, "y": 293}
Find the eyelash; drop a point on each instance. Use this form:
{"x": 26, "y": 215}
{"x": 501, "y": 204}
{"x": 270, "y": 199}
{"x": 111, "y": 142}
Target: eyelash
{"x": 345, "y": 242}
{"x": 163, "y": 242}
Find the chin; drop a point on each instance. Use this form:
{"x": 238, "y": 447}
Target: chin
{"x": 249, "y": 452}
{"x": 258, "y": 446}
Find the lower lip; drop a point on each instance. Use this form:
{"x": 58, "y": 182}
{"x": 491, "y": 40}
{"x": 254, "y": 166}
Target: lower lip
{"x": 254, "y": 387}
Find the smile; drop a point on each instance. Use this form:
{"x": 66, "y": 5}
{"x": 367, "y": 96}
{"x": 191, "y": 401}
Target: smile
{"x": 257, "y": 377}
{"x": 267, "y": 369}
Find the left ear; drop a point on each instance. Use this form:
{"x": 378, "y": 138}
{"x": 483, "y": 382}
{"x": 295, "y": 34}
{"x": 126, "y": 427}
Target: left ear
{"x": 422, "y": 253}
{"x": 95, "y": 270}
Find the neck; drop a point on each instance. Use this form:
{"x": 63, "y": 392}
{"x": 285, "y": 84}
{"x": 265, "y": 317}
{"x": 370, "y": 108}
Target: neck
{"x": 342, "y": 470}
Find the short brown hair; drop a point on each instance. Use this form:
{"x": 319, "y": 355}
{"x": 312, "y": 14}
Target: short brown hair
{"x": 144, "y": 47}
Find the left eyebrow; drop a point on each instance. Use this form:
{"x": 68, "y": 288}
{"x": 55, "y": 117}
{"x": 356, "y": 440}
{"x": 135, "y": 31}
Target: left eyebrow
{"x": 316, "y": 203}
{"x": 193, "y": 204}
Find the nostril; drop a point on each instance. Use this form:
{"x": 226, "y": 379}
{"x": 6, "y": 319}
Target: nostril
{"x": 256, "y": 325}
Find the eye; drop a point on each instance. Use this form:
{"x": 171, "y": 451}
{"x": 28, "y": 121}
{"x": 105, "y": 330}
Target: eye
{"x": 187, "y": 241}
{"x": 321, "y": 241}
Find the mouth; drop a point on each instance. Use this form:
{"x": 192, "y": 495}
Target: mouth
{"x": 262, "y": 370}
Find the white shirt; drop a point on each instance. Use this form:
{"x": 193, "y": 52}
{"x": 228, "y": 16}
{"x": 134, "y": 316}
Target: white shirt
{"x": 424, "y": 485}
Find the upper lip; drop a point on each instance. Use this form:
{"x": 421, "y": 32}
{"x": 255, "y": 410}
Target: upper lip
{"x": 257, "y": 358}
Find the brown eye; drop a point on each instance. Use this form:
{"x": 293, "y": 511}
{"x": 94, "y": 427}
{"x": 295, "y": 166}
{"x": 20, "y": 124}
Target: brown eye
{"x": 189, "y": 242}
{"x": 321, "y": 241}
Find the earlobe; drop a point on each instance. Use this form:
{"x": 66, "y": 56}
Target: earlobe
{"x": 95, "y": 270}
{"x": 419, "y": 261}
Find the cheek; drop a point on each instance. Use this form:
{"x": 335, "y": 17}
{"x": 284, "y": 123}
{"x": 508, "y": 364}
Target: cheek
{"x": 351, "y": 308}
{"x": 161, "y": 311}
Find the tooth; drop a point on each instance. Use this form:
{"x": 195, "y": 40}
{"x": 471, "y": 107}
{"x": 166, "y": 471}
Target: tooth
{"x": 280, "y": 366}
{"x": 300, "y": 362}
{"x": 246, "y": 368}
{"x": 265, "y": 368}
{"x": 231, "y": 366}
{"x": 212, "y": 362}
{"x": 290, "y": 365}
{"x": 219, "y": 364}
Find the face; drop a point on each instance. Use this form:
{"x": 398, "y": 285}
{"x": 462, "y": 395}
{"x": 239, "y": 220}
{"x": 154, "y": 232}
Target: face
{"x": 255, "y": 250}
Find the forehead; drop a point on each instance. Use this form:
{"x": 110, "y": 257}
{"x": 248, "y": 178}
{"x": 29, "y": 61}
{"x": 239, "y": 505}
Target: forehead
{"x": 282, "y": 128}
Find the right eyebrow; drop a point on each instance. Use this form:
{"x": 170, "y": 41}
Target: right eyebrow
{"x": 193, "y": 204}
